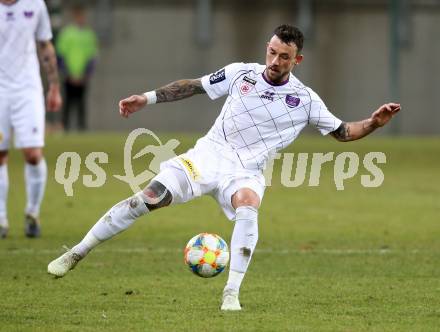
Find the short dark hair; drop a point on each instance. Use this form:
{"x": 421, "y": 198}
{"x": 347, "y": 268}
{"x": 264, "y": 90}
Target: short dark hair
{"x": 290, "y": 34}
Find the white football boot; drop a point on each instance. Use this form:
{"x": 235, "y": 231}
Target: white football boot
{"x": 230, "y": 300}
{"x": 63, "y": 264}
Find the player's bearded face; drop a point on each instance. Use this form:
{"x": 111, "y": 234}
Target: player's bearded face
{"x": 280, "y": 59}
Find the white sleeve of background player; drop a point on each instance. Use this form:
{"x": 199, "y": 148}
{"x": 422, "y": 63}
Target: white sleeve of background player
{"x": 44, "y": 31}
{"x": 320, "y": 116}
{"x": 217, "y": 84}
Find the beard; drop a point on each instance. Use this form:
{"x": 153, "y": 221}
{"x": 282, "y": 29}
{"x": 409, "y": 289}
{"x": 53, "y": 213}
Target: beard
{"x": 275, "y": 75}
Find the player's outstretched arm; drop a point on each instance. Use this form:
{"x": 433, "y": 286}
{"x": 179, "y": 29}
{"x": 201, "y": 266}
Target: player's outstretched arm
{"x": 350, "y": 131}
{"x": 171, "y": 92}
{"x": 49, "y": 62}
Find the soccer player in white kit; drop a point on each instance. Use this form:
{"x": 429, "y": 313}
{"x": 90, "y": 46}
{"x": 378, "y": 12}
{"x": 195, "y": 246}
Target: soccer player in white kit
{"x": 265, "y": 110}
{"x": 24, "y": 26}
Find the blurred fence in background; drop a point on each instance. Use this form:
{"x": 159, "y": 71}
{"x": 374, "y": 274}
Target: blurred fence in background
{"x": 358, "y": 55}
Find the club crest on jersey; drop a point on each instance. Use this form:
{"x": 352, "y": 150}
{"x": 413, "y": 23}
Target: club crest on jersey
{"x": 245, "y": 88}
{"x": 247, "y": 85}
{"x": 217, "y": 77}
{"x": 292, "y": 101}
{"x": 28, "y": 14}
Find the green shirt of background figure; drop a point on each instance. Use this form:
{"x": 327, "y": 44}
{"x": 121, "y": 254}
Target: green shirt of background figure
{"x": 77, "y": 48}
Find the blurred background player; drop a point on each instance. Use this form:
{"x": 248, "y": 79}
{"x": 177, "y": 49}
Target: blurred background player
{"x": 265, "y": 110}
{"x": 77, "y": 49}
{"x": 24, "y": 27}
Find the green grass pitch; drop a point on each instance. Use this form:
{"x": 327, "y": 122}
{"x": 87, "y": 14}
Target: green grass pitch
{"x": 362, "y": 259}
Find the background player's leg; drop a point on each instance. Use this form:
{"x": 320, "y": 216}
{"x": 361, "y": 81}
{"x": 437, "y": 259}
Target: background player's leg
{"x": 67, "y": 106}
{"x": 35, "y": 174}
{"x": 82, "y": 116}
{"x": 5, "y": 133}
{"x": 243, "y": 242}
{"x": 4, "y": 185}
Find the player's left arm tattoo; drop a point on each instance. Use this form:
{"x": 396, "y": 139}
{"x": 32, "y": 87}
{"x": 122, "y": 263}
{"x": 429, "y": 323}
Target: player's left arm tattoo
{"x": 351, "y": 131}
{"x": 49, "y": 61}
{"x": 179, "y": 90}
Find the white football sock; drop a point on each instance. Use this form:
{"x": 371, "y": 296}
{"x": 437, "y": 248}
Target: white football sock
{"x": 88, "y": 243}
{"x": 4, "y": 185}
{"x": 35, "y": 178}
{"x": 117, "y": 219}
{"x": 234, "y": 280}
{"x": 243, "y": 242}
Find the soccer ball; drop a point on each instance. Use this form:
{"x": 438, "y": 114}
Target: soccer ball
{"x": 206, "y": 255}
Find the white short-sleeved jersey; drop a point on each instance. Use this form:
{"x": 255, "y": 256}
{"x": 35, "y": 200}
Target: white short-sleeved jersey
{"x": 21, "y": 24}
{"x": 260, "y": 118}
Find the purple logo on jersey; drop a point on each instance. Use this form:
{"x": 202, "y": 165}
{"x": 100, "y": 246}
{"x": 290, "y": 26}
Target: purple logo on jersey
{"x": 268, "y": 95}
{"x": 9, "y": 16}
{"x": 292, "y": 101}
{"x": 28, "y": 14}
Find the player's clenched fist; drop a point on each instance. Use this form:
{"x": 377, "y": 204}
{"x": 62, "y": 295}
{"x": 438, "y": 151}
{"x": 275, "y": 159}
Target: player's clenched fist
{"x": 131, "y": 104}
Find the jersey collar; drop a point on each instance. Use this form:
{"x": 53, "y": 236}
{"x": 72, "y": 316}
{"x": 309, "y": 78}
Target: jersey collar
{"x": 274, "y": 84}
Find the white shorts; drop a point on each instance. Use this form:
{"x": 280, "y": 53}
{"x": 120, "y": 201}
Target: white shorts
{"x": 23, "y": 113}
{"x": 209, "y": 169}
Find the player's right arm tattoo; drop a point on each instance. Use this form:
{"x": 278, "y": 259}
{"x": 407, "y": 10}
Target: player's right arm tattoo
{"x": 49, "y": 61}
{"x": 179, "y": 90}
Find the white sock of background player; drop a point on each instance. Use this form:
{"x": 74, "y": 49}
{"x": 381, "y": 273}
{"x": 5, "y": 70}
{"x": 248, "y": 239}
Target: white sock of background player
{"x": 35, "y": 178}
{"x": 243, "y": 242}
{"x": 4, "y": 185}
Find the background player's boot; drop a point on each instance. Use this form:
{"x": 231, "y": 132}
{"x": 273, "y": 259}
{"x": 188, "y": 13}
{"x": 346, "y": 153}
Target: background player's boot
{"x": 3, "y": 231}
{"x": 63, "y": 264}
{"x": 32, "y": 226}
{"x": 230, "y": 300}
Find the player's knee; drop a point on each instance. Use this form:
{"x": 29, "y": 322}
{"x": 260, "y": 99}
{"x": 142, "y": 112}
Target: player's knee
{"x": 33, "y": 156}
{"x": 157, "y": 196}
{"x": 245, "y": 197}
{"x": 135, "y": 207}
{"x": 3, "y": 157}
